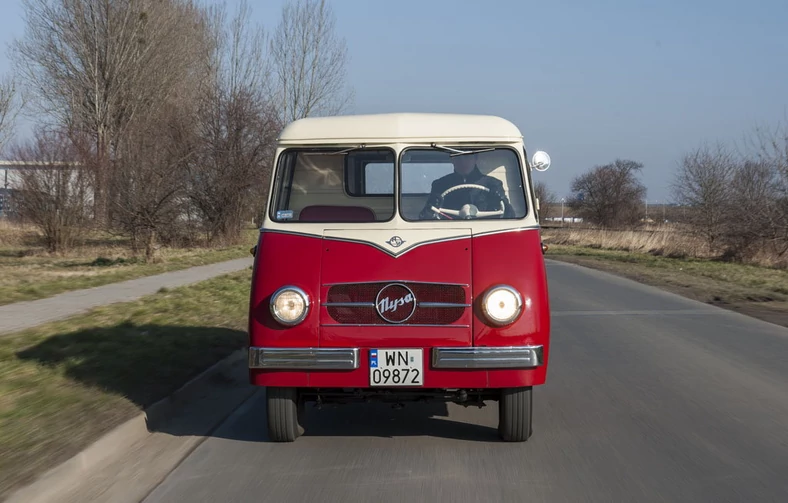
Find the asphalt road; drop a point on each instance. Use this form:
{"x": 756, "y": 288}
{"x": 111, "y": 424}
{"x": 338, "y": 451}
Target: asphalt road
{"x": 650, "y": 397}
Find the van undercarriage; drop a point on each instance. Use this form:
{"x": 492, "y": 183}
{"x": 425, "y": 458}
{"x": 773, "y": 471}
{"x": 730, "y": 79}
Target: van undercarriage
{"x": 466, "y": 397}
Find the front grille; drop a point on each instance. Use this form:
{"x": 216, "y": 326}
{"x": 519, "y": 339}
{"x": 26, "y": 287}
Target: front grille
{"x": 436, "y": 303}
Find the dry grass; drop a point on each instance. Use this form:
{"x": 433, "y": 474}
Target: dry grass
{"x": 28, "y": 272}
{"x": 665, "y": 241}
{"x": 757, "y": 291}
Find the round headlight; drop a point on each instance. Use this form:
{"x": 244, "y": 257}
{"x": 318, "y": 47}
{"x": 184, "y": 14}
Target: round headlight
{"x": 289, "y": 305}
{"x": 502, "y": 304}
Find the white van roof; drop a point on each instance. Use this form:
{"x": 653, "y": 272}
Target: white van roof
{"x": 413, "y": 127}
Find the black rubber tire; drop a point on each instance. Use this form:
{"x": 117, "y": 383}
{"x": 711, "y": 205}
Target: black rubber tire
{"x": 515, "y": 414}
{"x": 285, "y": 413}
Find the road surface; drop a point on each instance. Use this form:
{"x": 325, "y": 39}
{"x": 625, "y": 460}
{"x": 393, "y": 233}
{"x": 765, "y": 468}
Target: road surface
{"x": 650, "y": 397}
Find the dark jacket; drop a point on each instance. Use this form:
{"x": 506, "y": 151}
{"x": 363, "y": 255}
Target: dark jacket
{"x": 485, "y": 201}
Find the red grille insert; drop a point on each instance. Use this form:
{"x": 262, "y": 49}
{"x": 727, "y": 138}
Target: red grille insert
{"x": 423, "y": 315}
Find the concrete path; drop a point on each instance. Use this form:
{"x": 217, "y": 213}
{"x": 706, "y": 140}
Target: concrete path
{"x": 22, "y": 315}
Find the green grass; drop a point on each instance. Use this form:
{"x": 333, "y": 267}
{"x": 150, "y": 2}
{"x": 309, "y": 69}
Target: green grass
{"x": 25, "y": 276}
{"x": 64, "y": 384}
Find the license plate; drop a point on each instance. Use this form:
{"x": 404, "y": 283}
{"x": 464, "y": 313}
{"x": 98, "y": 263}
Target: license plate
{"x": 396, "y": 367}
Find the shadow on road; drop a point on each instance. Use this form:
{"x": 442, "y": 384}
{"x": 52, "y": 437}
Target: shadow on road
{"x": 144, "y": 363}
{"x": 381, "y": 420}
{"x": 248, "y": 423}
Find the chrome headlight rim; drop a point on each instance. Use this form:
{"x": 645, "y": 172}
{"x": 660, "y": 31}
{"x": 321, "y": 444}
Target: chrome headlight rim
{"x": 518, "y": 308}
{"x": 301, "y": 293}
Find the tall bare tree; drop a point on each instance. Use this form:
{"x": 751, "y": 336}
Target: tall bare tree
{"x": 150, "y": 179}
{"x": 612, "y": 196}
{"x": 94, "y": 65}
{"x": 758, "y": 216}
{"x": 9, "y": 107}
{"x": 237, "y": 125}
{"x": 703, "y": 183}
{"x": 766, "y": 186}
{"x": 310, "y": 61}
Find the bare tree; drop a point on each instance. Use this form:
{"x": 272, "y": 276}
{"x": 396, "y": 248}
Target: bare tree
{"x": 310, "y": 62}
{"x": 9, "y": 107}
{"x": 611, "y": 195}
{"x": 237, "y": 129}
{"x": 703, "y": 182}
{"x": 546, "y": 199}
{"x": 758, "y": 217}
{"x": 94, "y": 65}
{"x": 150, "y": 178}
{"x": 762, "y": 187}
{"x": 54, "y": 190}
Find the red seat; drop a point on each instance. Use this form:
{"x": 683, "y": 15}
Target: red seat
{"x": 325, "y": 213}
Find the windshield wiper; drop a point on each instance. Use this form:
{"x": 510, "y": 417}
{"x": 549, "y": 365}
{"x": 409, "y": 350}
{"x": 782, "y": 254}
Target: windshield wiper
{"x": 340, "y": 152}
{"x": 455, "y": 152}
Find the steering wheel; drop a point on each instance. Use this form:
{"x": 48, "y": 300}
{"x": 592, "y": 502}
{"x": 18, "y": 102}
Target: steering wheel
{"x": 467, "y": 211}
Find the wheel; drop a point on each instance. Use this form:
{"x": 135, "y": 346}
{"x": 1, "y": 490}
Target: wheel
{"x": 515, "y": 414}
{"x": 285, "y": 414}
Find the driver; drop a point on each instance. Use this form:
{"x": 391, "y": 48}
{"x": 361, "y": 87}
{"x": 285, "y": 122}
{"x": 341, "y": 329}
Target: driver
{"x": 466, "y": 171}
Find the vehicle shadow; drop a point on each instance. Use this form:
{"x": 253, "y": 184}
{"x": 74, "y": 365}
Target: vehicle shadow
{"x": 381, "y": 420}
{"x": 144, "y": 363}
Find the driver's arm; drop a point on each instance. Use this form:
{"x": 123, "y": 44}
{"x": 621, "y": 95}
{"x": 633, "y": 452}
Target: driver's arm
{"x": 497, "y": 189}
{"x": 432, "y": 200}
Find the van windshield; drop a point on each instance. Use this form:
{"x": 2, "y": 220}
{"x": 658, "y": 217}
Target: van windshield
{"x": 357, "y": 185}
{"x": 334, "y": 185}
{"x": 455, "y": 183}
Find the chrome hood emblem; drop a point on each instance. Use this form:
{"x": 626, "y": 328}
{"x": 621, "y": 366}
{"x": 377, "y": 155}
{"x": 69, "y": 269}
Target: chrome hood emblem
{"x": 395, "y": 241}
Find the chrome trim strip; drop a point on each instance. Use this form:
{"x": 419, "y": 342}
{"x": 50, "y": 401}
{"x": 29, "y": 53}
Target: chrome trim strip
{"x": 293, "y": 233}
{"x": 512, "y": 229}
{"x": 394, "y": 229}
{"x": 441, "y": 304}
{"x": 386, "y": 281}
{"x": 389, "y": 325}
{"x": 304, "y": 358}
{"x": 372, "y": 304}
{"x": 349, "y": 304}
{"x": 511, "y": 357}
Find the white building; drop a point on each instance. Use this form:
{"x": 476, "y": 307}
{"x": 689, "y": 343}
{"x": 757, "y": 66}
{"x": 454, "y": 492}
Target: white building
{"x": 10, "y": 180}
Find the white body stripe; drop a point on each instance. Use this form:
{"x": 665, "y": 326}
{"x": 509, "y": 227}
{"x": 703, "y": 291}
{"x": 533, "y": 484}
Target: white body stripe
{"x": 382, "y": 239}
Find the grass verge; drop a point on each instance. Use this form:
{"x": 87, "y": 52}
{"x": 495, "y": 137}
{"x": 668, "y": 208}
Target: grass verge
{"x": 760, "y": 292}
{"x": 64, "y": 384}
{"x": 27, "y": 274}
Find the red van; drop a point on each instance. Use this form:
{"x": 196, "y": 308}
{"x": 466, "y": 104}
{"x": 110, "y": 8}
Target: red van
{"x": 400, "y": 259}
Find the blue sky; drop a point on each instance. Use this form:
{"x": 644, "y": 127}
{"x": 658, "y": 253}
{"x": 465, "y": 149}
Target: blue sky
{"x": 586, "y": 81}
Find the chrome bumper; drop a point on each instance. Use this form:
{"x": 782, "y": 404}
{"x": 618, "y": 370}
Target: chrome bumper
{"x": 515, "y": 357}
{"x": 303, "y": 358}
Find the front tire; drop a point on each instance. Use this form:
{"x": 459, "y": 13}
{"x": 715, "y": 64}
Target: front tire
{"x": 285, "y": 413}
{"x": 515, "y": 414}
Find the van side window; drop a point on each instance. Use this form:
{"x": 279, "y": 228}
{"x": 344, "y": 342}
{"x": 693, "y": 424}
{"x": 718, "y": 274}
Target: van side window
{"x": 379, "y": 178}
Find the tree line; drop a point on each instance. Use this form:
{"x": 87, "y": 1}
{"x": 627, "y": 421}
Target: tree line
{"x": 165, "y": 112}
{"x": 735, "y": 199}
